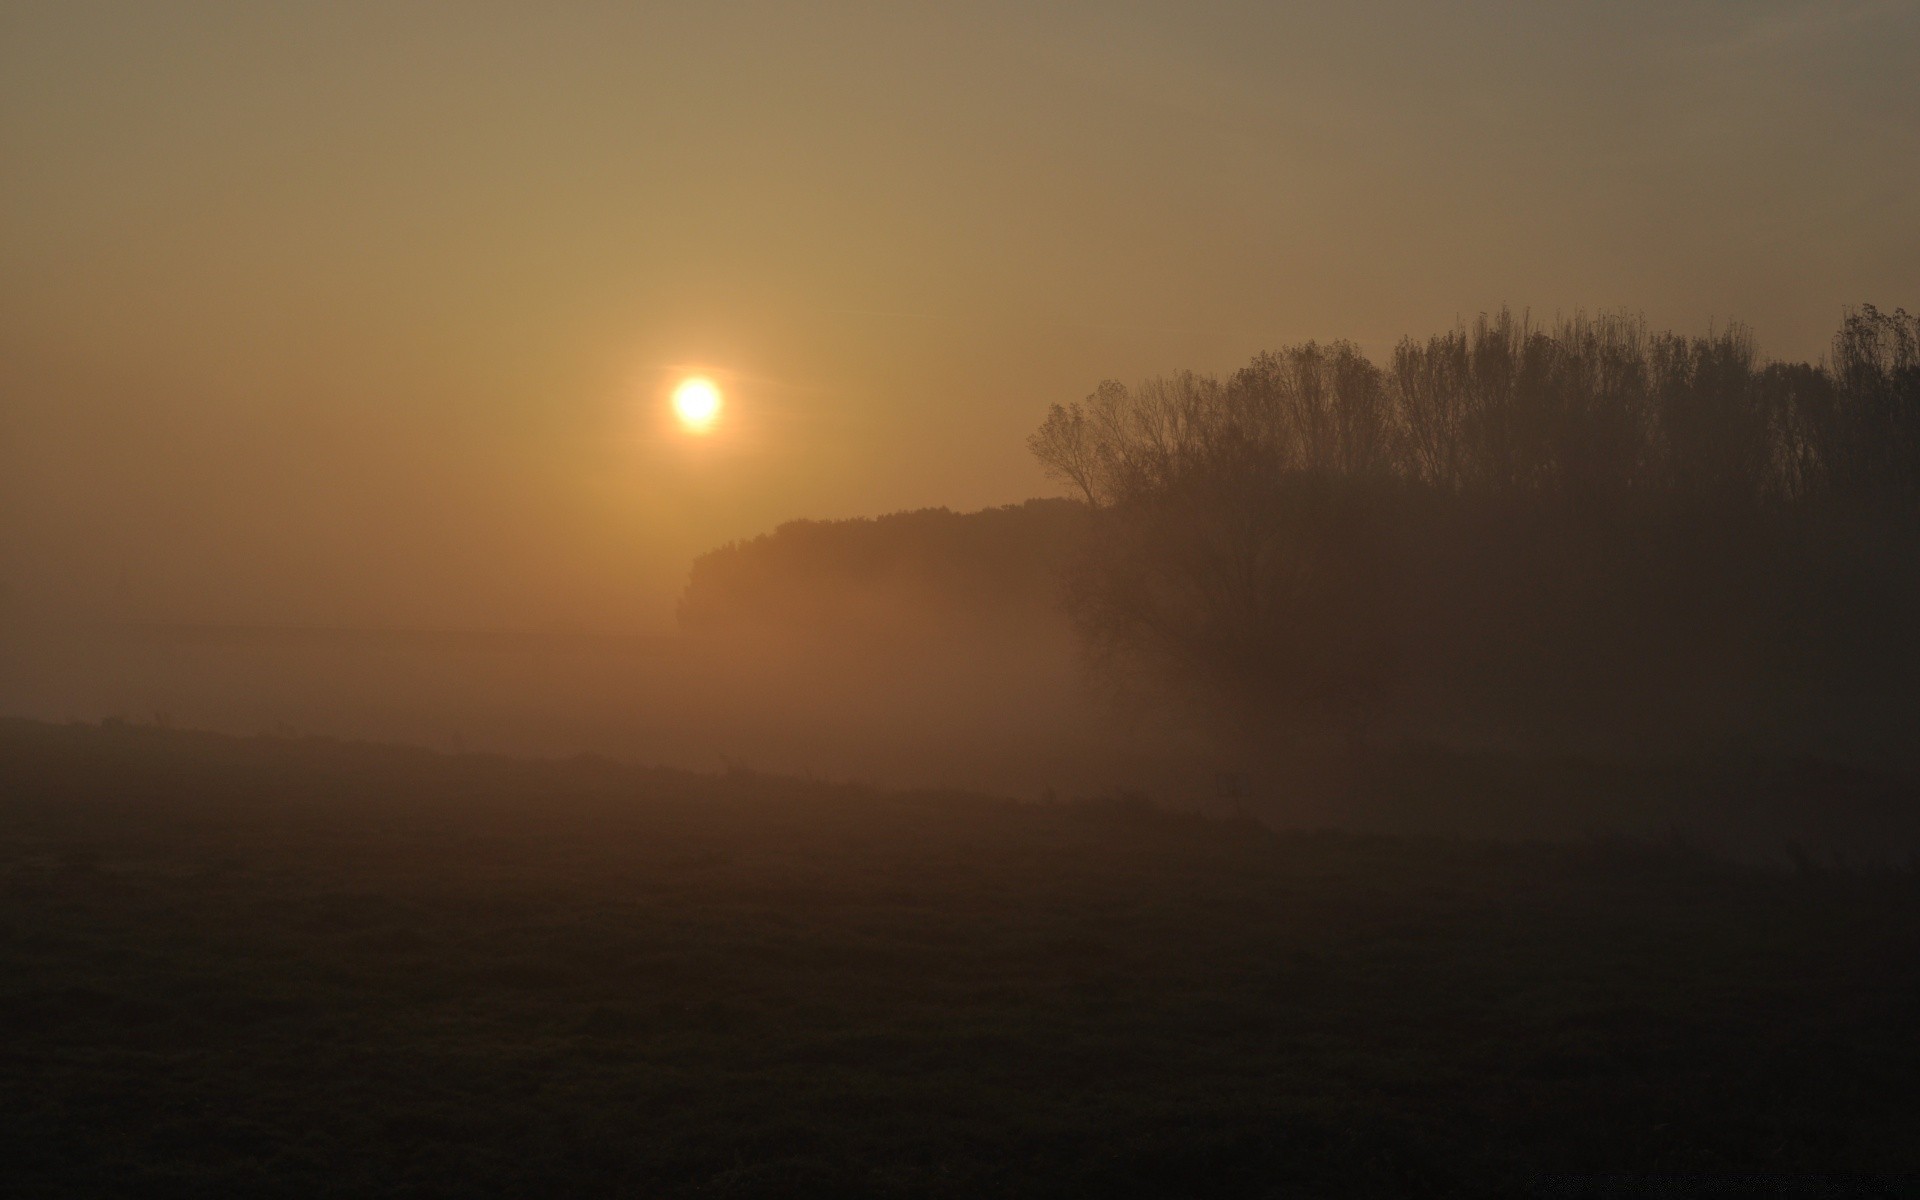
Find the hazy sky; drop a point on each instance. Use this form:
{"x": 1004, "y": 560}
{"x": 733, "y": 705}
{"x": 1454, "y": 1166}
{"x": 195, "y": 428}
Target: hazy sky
{"x": 363, "y": 313}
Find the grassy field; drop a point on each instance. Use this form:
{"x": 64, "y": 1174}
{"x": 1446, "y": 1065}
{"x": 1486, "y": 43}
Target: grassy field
{"x": 296, "y": 967}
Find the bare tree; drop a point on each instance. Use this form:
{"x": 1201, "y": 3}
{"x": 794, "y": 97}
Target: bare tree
{"x": 1231, "y": 548}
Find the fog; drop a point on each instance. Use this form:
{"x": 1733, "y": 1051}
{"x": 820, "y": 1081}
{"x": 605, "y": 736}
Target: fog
{"x": 335, "y": 348}
{"x": 926, "y": 666}
{"x": 1009, "y": 721}
{"x": 354, "y": 317}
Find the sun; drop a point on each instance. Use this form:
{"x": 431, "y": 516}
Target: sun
{"x": 697, "y": 403}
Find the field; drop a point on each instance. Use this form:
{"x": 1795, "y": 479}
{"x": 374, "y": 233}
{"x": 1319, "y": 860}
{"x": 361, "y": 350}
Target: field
{"x": 278, "y": 966}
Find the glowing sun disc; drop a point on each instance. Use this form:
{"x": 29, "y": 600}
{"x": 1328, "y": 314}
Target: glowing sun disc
{"x": 697, "y": 403}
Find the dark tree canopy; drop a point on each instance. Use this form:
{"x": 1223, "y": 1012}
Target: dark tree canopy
{"x": 984, "y": 570}
{"x": 1316, "y": 528}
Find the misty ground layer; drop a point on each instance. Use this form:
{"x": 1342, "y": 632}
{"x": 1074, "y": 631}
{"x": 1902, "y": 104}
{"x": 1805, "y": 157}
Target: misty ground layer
{"x": 259, "y": 966}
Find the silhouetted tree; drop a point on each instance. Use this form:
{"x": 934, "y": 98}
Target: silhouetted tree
{"x": 1874, "y": 439}
{"x": 1231, "y": 548}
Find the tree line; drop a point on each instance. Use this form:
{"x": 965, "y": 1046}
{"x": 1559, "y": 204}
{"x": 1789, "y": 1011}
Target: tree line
{"x": 1511, "y": 513}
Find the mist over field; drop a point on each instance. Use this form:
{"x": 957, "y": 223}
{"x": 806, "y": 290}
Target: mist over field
{"x": 1639, "y": 572}
{"x": 875, "y": 682}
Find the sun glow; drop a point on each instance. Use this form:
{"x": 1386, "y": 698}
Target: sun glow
{"x": 696, "y": 402}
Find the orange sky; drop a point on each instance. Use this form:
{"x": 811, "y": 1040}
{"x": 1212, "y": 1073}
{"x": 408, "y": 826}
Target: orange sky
{"x": 364, "y": 313}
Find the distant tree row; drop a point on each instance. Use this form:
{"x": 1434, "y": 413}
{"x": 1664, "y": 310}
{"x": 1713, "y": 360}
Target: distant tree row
{"x": 1586, "y": 407}
{"x": 910, "y": 572}
{"x": 1522, "y": 517}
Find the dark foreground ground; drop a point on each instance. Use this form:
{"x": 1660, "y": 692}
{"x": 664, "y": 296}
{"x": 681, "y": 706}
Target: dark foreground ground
{"x": 271, "y": 967}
